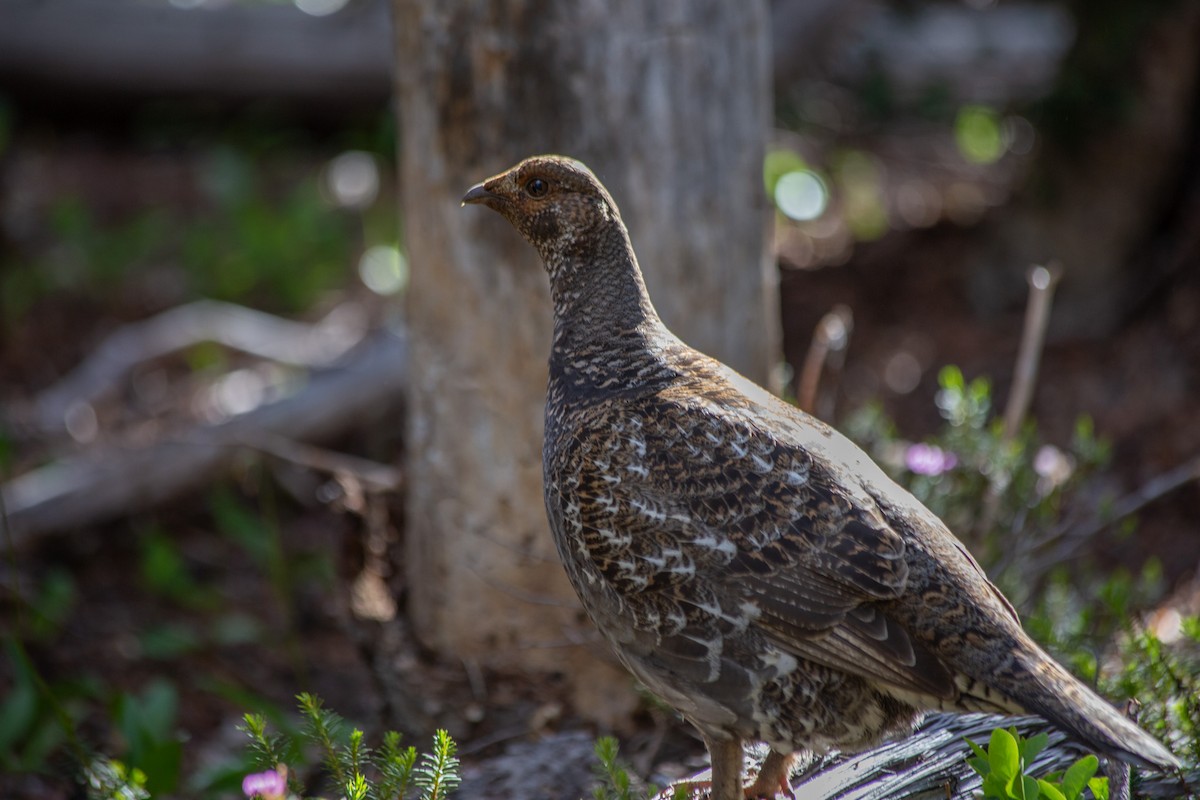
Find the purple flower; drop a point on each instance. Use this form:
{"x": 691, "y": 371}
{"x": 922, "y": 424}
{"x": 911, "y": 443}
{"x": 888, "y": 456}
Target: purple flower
{"x": 269, "y": 785}
{"x": 928, "y": 459}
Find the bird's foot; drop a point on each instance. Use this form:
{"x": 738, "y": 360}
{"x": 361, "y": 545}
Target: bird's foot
{"x": 773, "y": 778}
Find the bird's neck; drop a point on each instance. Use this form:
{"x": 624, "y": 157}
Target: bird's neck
{"x": 607, "y": 335}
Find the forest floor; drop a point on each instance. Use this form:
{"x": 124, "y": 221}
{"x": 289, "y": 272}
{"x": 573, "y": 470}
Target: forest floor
{"x": 177, "y": 595}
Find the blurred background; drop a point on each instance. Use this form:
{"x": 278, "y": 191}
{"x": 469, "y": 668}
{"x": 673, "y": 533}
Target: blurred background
{"x": 204, "y": 361}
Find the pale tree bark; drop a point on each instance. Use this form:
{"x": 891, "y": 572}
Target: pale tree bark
{"x": 669, "y": 103}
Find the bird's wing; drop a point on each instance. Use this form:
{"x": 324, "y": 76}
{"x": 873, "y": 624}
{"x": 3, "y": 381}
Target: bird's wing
{"x": 705, "y": 524}
{"x": 822, "y": 585}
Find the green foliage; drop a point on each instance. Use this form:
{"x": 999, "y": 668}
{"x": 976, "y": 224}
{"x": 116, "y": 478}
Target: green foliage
{"x": 1003, "y": 769}
{"x": 325, "y": 728}
{"x": 613, "y": 781}
{"x": 164, "y": 572}
{"x": 391, "y": 772}
{"x": 437, "y": 774}
{"x": 1078, "y": 618}
{"x": 1166, "y": 682}
{"x": 281, "y": 251}
{"x": 1079, "y": 613}
{"x": 263, "y": 234}
{"x": 109, "y": 779}
{"x": 1030, "y": 482}
{"x": 267, "y": 749}
{"x": 51, "y": 606}
{"x": 1004, "y": 766}
{"x": 147, "y": 723}
{"x": 39, "y": 718}
{"x": 395, "y": 765}
{"x": 35, "y": 718}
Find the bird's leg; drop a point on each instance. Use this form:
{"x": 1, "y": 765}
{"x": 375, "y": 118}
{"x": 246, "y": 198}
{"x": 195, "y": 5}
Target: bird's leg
{"x": 773, "y": 778}
{"x": 726, "y": 758}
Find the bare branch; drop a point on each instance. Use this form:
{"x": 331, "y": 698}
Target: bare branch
{"x": 111, "y": 480}
{"x": 239, "y": 328}
{"x": 1068, "y": 540}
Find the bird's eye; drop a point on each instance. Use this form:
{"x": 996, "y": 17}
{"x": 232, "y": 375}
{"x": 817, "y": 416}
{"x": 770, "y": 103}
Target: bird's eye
{"x": 536, "y": 187}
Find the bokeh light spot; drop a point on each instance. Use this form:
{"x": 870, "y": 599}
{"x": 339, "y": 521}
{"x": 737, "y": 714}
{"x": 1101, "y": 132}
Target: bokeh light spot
{"x": 860, "y": 181}
{"x": 778, "y": 163}
{"x": 352, "y": 179}
{"x": 384, "y": 269}
{"x": 1019, "y": 135}
{"x": 902, "y": 372}
{"x": 977, "y": 133}
{"x": 320, "y": 8}
{"x": 801, "y": 195}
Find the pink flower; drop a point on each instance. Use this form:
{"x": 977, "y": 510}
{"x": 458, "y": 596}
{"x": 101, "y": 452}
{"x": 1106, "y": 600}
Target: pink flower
{"x": 928, "y": 459}
{"x": 269, "y": 785}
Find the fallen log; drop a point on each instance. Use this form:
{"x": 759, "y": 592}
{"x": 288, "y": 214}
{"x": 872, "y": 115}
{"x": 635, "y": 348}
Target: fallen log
{"x": 931, "y": 764}
{"x": 111, "y": 480}
{"x": 232, "y": 326}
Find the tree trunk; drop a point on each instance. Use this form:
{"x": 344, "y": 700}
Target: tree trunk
{"x": 669, "y": 103}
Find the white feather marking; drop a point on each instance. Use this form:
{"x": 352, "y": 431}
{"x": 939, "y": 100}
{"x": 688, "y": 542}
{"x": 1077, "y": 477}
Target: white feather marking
{"x": 655, "y": 514}
{"x": 783, "y": 663}
{"x": 750, "y": 610}
{"x": 607, "y": 503}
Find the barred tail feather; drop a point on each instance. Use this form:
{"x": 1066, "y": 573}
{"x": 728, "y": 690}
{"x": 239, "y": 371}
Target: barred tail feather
{"x": 1070, "y": 705}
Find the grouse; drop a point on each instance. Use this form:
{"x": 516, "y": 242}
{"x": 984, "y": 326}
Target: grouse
{"x": 747, "y": 563}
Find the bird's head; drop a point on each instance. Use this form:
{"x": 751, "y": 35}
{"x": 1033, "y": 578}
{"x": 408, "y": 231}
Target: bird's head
{"x": 555, "y": 202}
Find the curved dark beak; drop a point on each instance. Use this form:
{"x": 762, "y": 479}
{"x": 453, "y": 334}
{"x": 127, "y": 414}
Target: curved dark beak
{"x": 478, "y": 194}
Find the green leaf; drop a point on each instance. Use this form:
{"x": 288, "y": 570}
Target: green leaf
{"x": 1003, "y": 755}
{"x": 1077, "y": 776}
{"x": 1050, "y": 791}
{"x": 19, "y": 710}
{"x": 980, "y": 765}
{"x": 1028, "y": 788}
{"x": 951, "y": 377}
{"x": 1099, "y": 787}
{"x": 994, "y": 787}
{"x": 235, "y": 521}
{"x": 169, "y": 641}
{"x": 1033, "y": 746}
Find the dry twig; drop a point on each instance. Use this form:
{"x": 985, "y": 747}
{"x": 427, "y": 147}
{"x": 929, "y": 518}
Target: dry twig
{"x": 830, "y": 340}
{"x": 1042, "y": 283}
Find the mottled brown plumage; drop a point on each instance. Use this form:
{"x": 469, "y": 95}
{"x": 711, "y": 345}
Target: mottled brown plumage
{"x": 751, "y": 566}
